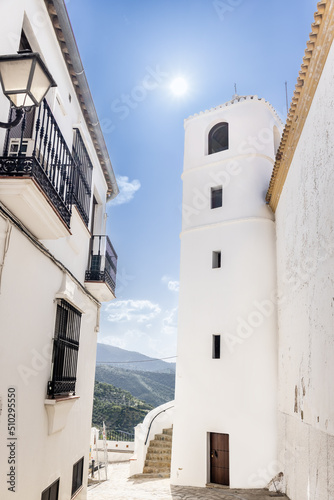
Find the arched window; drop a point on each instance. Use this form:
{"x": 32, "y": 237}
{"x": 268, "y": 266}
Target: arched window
{"x": 218, "y": 138}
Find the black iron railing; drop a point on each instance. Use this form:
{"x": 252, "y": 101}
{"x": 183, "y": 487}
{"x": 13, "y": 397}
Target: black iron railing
{"x": 46, "y": 158}
{"x": 102, "y": 262}
{"x": 118, "y": 435}
{"x": 82, "y": 177}
{"x": 155, "y": 416}
{"x": 65, "y": 350}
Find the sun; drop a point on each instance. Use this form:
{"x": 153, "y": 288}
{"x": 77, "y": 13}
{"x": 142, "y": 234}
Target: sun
{"x": 179, "y": 86}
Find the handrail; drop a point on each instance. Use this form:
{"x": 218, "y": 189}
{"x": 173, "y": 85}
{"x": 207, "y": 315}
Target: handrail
{"x": 155, "y": 416}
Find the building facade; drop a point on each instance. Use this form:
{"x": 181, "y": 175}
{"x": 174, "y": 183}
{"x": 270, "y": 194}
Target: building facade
{"x": 56, "y": 264}
{"x": 301, "y": 195}
{"x": 226, "y": 382}
{"x": 254, "y": 388}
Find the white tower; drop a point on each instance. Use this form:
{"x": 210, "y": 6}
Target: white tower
{"x": 226, "y": 386}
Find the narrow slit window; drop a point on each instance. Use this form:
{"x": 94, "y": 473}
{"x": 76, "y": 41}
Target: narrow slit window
{"x": 215, "y": 346}
{"x": 216, "y": 260}
{"x": 217, "y": 197}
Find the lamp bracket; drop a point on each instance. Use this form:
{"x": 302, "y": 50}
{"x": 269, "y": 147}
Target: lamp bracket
{"x": 16, "y": 121}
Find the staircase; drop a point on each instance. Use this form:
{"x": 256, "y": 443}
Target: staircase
{"x": 158, "y": 456}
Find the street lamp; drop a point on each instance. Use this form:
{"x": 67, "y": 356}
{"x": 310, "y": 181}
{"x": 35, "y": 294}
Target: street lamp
{"x": 25, "y": 80}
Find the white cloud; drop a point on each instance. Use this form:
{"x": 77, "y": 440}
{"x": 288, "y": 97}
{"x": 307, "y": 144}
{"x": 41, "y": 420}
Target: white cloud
{"x": 169, "y": 322}
{"x": 173, "y": 286}
{"x": 127, "y": 190}
{"x": 139, "y": 311}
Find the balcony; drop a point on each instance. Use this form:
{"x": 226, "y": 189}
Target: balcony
{"x": 100, "y": 278}
{"x": 40, "y": 178}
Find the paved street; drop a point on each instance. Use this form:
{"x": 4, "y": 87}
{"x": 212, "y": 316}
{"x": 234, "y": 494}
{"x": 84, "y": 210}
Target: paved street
{"x": 119, "y": 487}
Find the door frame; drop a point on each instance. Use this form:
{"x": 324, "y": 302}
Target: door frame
{"x": 209, "y": 472}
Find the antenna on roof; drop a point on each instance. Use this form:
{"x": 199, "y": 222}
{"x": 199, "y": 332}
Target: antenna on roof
{"x": 286, "y": 97}
{"x": 235, "y": 89}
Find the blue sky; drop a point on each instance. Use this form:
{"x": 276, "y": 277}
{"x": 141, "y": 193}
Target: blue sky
{"x": 131, "y": 51}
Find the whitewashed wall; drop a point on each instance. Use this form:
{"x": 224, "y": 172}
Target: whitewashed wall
{"x": 30, "y": 282}
{"x": 235, "y": 394}
{"x": 305, "y": 256}
{"x": 46, "y": 448}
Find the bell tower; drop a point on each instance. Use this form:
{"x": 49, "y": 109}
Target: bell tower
{"x": 226, "y": 382}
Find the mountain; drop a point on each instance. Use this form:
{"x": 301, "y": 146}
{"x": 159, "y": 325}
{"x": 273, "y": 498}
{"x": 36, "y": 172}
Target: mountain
{"x": 130, "y": 360}
{"x": 155, "y": 388}
{"x": 117, "y": 408}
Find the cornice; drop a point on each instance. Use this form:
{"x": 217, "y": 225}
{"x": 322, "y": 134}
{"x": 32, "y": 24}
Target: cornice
{"x": 316, "y": 52}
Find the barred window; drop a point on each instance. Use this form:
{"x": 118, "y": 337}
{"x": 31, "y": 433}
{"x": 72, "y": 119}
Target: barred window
{"x": 51, "y": 493}
{"x": 65, "y": 350}
{"x": 77, "y": 475}
{"x": 82, "y": 181}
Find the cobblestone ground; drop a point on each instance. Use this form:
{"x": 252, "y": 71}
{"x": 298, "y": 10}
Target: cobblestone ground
{"x": 120, "y": 487}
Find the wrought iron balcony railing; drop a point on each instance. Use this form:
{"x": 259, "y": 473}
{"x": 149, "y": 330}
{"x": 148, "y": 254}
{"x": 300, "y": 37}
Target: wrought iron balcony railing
{"x": 36, "y": 148}
{"x": 46, "y": 159}
{"x": 102, "y": 262}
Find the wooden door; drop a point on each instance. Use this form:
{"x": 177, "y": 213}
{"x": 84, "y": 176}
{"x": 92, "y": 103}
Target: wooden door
{"x": 219, "y": 459}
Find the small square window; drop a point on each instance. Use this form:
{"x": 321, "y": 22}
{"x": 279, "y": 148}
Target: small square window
{"x": 215, "y": 346}
{"x": 216, "y": 197}
{"x": 216, "y": 260}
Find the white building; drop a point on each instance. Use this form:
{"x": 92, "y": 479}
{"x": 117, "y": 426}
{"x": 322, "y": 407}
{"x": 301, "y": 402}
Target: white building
{"x": 56, "y": 264}
{"x": 254, "y": 398}
{"x": 226, "y": 381}
{"x": 301, "y": 195}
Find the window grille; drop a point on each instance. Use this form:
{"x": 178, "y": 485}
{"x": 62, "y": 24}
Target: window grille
{"x": 65, "y": 350}
{"x": 51, "y": 493}
{"x": 82, "y": 176}
{"x": 77, "y": 475}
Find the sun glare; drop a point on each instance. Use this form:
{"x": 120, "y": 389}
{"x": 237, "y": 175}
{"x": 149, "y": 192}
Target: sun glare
{"x": 179, "y": 86}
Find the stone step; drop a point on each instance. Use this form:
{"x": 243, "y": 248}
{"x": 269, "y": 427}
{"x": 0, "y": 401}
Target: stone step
{"x": 159, "y": 449}
{"x": 160, "y": 444}
{"x": 156, "y": 470}
{"x": 159, "y": 464}
{"x": 158, "y": 456}
{"x": 163, "y": 437}
{"x": 151, "y": 475}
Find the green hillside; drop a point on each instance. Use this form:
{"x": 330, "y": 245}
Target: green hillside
{"x": 130, "y": 360}
{"x": 117, "y": 408}
{"x": 155, "y": 388}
